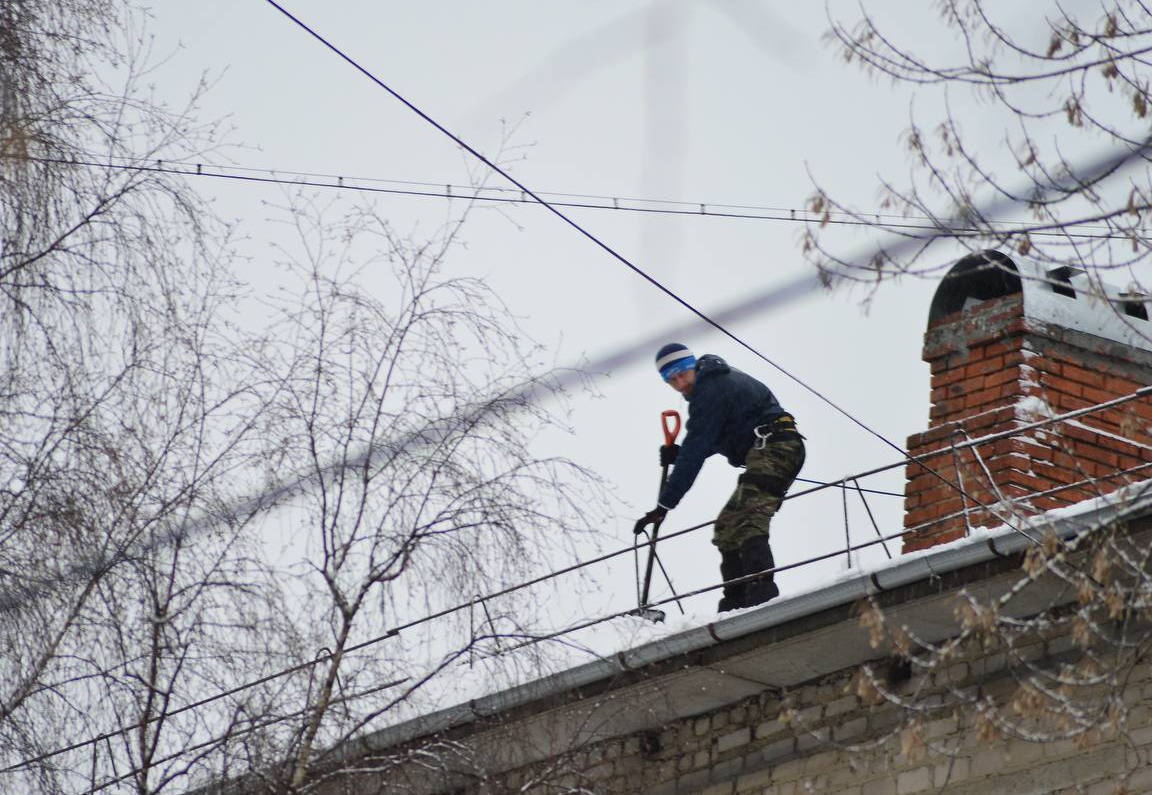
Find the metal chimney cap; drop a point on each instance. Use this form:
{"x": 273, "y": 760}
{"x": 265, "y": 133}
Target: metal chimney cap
{"x": 1064, "y": 295}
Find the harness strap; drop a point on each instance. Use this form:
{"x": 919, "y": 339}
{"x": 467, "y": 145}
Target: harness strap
{"x": 770, "y": 484}
{"x": 779, "y": 436}
{"x": 779, "y": 430}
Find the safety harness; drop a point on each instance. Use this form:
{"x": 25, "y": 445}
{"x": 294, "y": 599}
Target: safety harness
{"x": 782, "y": 429}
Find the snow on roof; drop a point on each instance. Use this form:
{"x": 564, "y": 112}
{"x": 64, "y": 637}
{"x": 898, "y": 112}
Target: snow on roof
{"x": 627, "y": 643}
{"x": 1061, "y": 296}
{"x": 1094, "y": 307}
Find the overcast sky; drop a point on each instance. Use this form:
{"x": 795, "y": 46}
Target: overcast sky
{"x": 723, "y": 103}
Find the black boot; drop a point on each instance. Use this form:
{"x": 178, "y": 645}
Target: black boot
{"x": 731, "y": 569}
{"x": 756, "y": 556}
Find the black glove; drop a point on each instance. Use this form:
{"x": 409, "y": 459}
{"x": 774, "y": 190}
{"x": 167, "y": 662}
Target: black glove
{"x": 669, "y": 454}
{"x": 655, "y": 516}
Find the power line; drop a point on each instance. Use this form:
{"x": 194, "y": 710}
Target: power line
{"x": 762, "y": 301}
{"x": 1115, "y": 163}
{"x": 383, "y": 448}
{"x": 586, "y": 625}
{"x": 536, "y": 199}
{"x": 566, "y": 219}
{"x": 849, "y": 488}
{"x": 234, "y": 732}
{"x": 772, "y": 570}
{"x": 10, "y": 600}
{"x": 261, "y": 724}
{"x": 635, "y": 547}
{"x": 616, "y": 255}
{"x": 306, "y": 179}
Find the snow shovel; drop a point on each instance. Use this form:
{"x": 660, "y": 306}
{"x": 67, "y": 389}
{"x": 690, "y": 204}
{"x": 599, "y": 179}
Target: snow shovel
{"x": 652, "y": 614}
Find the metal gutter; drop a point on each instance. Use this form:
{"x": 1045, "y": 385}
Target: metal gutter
{"x": 1126, "y": 503}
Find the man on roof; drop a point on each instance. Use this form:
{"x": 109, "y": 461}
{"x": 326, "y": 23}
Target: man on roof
{"x": 737, "y": 416}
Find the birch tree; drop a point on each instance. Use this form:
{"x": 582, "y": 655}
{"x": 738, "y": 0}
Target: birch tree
{"x": 1030, "y": 132}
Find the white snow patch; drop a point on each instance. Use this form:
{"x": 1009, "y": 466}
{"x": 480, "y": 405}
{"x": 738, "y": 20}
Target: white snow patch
{"x": 461, "y": 685}
{"x": 1110, "y": 435}
{"x": 1033, "y": 408}
{"x": 1089, "y": 312}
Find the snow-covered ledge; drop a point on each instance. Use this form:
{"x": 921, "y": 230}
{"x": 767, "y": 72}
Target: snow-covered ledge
{"x": 1067, "y": 522}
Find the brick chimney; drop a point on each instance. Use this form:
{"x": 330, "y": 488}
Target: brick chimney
{"x": 1010, "y": 345}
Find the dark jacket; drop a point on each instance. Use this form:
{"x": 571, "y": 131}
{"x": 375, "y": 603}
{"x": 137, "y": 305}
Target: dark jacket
{"x": 725, "y": 407}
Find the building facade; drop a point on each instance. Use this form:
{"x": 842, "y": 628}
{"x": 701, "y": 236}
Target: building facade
{"x": 1008, "y": 652}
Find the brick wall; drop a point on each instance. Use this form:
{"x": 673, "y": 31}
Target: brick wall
{"x": 994, "y": 370}
{"x": 822, "y": 739}
{"x": 833, "y": 734}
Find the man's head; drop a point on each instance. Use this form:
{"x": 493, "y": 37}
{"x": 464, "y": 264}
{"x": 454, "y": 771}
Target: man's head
{"x": 677, "y": 367}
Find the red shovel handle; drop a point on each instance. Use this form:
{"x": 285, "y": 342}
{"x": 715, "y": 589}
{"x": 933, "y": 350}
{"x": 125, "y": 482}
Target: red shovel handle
{"x": 672, "y": 428}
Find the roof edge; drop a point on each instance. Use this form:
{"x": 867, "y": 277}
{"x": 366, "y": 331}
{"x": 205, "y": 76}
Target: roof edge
{"x": 1126, "y": 503}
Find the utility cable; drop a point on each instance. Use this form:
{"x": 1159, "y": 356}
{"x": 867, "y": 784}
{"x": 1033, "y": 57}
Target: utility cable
{"x": 591, "y": 237}
{"x": 621, "y": 259}
{"x": 635, "y": 547}
{"x": 586, "y": 624}
{"x": 999, "y": 435}
{"x": 864, "y": 490}
{"x": 570, "y": 200}
{"x": 261, "y": 724}
{"x": 636, "y": 269}
{"x": 773, "y": 570}
{"x": 763, "y": 301}
{"x": 234, "y": 732}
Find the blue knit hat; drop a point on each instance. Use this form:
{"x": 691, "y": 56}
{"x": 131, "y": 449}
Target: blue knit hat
{"x": 674, "y": 358}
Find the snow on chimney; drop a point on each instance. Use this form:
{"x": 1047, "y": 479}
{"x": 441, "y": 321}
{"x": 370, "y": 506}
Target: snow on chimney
{"x": 1009, "y": 346}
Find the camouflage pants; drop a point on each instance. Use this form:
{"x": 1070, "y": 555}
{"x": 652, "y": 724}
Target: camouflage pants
{"x": 769, "y": 472}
